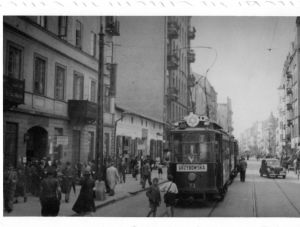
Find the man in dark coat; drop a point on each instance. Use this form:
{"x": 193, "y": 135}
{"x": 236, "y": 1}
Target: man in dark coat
{"x": 243, "y": 167}
{"x": 67, "y": 181}
{"x": 50, "y": 194}
{"x": 85, "y": 201}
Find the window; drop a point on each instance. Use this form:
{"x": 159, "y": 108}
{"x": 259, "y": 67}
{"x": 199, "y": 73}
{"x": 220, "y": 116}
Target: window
{"x": 106, "y": 100}
{"x": 62, "y": 26}
{"x": 78, "y": 34}
{"x": 91, "y": 139}
{"x": 93, "y": 91}
{"x": 58, "y": 148}
{"x": 42, "y": 21}
{"x": 39, "y": 75}
{"x": 60, "y": 73}
{"x": 131, "y": 120}
{"x": 78, "y": 86}
{"x": 14, "y": 61}
{"x": 93, "y": 44}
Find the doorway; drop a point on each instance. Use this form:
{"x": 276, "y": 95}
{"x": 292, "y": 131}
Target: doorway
{"x": 37, "y": 143}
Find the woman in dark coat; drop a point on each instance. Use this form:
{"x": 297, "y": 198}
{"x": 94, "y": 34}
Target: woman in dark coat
{"x": 85, "y": 201}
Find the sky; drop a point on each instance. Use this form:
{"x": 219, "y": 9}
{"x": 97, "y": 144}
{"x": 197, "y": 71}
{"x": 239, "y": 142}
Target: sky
{"x": 240, "y": 65}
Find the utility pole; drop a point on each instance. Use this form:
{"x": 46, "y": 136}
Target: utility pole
{"x": 100, "y": 99}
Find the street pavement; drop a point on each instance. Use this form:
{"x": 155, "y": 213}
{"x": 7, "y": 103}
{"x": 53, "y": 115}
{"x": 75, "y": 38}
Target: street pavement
{"x": 132, "y": 186}
{"x": 256, "y": 197}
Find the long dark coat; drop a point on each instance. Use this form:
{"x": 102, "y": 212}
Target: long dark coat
{"x": 85, "y": 201}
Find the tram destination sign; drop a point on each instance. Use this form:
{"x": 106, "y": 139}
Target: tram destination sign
{"x": 191, "y": 167}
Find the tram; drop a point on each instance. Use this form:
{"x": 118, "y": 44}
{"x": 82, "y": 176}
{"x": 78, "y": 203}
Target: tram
{"x": 203, "y": 158}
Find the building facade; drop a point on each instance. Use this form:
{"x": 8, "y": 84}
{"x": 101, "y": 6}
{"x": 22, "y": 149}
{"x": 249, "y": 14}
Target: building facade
{"x": 205, "y": 98}
{"x": 224, "y": 114}
{"x": 289, "y": 99}
{"x": 154, "y": 60}
{"x": 138, "y": 136}
{"x": 50, "y": 87}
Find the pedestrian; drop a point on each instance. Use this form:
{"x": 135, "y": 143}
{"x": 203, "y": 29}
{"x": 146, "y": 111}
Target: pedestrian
{"x": 146, "y": 174}
{"x": 50, "y": 193}
{"x": 85, "y": 203}
{"x": 9, "y": 183}
{"x": 160, "y": 170}
{"x": 153, "y": 194}
{"x": 112, "y": 177}
{"x": 171, "y": 191}
{"x": 123, "y": 170}
{"x": 21, "y": 184}
{"x": 67, "y": 181}
{"x": 243, "y": 167}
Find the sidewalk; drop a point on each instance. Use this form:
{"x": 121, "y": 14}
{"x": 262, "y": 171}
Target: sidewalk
{"x": 33, "y": 208}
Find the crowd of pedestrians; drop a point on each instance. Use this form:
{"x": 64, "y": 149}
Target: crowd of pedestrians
{"x": 49, "y": 180}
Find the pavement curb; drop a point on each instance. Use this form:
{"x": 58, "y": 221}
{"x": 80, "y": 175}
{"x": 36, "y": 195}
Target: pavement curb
{"x": 130, "y": 194}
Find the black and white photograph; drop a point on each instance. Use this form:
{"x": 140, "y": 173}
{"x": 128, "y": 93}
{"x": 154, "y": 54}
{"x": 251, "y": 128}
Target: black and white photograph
{"x": 151, "y": 116}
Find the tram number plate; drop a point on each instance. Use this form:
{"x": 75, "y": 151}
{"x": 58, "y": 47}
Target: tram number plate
{"x": 191, "y": 167}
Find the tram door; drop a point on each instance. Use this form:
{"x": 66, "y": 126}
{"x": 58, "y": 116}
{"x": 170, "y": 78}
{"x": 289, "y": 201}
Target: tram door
{"x": 219, "y": 161}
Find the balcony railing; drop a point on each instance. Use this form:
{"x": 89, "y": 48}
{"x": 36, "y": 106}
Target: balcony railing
{"x": 112, "y": 26}
{"x": 14, "y": 90}
{"x": 191, "y": 56}
{"x": 289, "y": 91}
{"x": 173, "y": 93}
{"x": 289, "y": 106}
{"x": 173, "y": 61}
{"x": 191, "y": 80}
{"x": 192, "y": 33}
{"x": 173, "y": 30}
{"x": 82, "y": 111}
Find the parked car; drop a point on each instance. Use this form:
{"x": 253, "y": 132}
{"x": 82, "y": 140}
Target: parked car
{"x": 272, "y": 168}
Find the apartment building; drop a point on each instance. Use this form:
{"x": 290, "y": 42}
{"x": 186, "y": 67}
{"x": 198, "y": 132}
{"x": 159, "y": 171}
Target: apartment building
{"x": 224, "y": 114}
{"x": 205, "y": 98}
{"x": 289, "y": 89}
{"x": 154, "y": 58}
{"x": 50, "y": 86}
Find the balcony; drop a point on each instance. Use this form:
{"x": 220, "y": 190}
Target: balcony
{"x": 173, "y": 61}
{"x": 14, "y": 90}
{"x": 289, "y": 123}
{"x": 82, "y": 111}
{"x": 173, "y": 30}
{"x": 289, "y": 91}
{"x": 289, "y": 75}
{"x": 191, "y": 56}
{"x": 192, "y": 33}
{"x": 173, "y": 93}
{"x": 191, "y": 81}
{"x": 112, "y": 26}
{"x": 289, "y": 106}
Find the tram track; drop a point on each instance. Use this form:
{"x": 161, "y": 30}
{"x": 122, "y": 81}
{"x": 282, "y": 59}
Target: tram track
{"x": 286, "y": 196}
{"x": 254, "y": 198}
{"x": 215, "y": 205}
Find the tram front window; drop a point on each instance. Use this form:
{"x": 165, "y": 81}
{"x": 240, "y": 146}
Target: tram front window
{"x": 192, "y": 148}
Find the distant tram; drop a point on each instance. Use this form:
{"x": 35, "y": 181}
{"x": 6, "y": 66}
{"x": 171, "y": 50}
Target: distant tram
{"x": 203, "y": 158}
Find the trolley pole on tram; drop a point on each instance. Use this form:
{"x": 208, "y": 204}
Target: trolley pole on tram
{"x": 99, "y": 122}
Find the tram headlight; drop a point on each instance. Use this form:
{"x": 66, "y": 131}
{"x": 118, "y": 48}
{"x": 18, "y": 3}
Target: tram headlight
{"x": 192, "y": 177}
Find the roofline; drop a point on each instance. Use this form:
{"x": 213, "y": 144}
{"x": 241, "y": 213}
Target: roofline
{"x": 137, "y": 114}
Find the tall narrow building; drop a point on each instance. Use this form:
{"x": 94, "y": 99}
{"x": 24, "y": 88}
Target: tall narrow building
{"x": 154, "y": 58}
